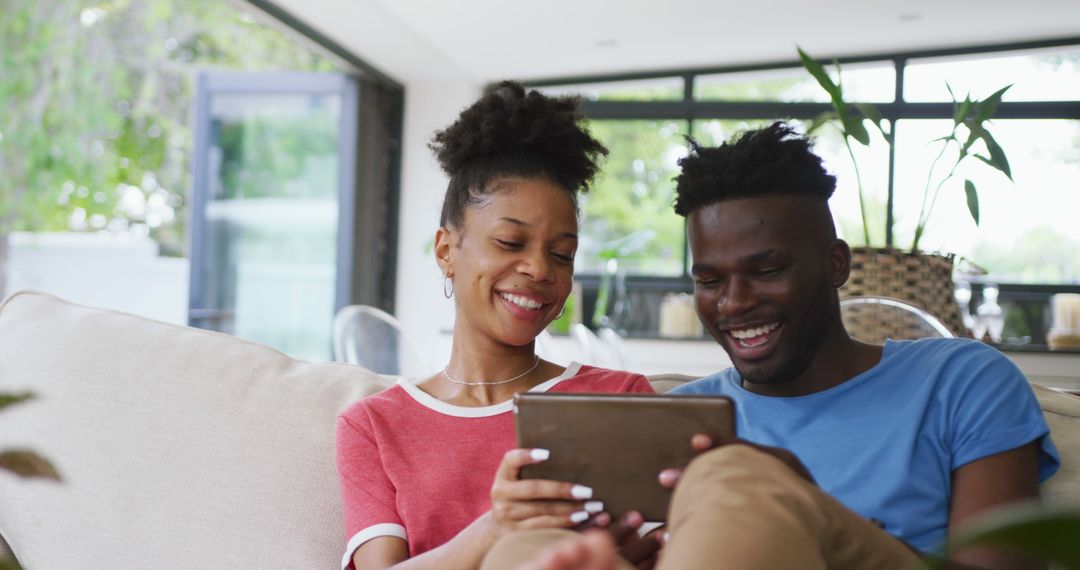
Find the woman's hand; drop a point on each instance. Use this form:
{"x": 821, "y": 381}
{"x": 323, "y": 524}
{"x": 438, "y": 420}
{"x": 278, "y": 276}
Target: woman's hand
{"x": 518, "y": 504}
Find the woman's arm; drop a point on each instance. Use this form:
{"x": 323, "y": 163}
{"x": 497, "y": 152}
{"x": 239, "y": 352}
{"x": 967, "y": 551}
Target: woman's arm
{"x": 515, "y": 505}
{"x": 465, "y": 550}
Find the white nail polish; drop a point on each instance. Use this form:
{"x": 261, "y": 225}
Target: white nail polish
{"x": 540, "y": 454}
{"x": 667, "y": 536}
{"x": 594, "y": 506}
{"x": 579, "y": 517}
{"x": 581, "y": 492}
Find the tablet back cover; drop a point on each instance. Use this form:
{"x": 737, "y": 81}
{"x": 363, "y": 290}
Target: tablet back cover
{"x": 618, "y": 444}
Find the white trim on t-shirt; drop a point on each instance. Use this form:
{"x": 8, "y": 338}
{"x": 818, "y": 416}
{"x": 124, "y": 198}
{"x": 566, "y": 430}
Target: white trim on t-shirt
{"x": 373, "y": 531}
{"x": 431, "y": 402}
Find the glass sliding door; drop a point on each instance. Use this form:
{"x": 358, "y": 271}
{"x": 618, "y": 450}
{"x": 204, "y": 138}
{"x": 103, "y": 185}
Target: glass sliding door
{"x": 273, "y": 193}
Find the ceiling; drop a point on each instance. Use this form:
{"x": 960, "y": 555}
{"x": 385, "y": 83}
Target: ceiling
{"x": 484, "y": 40}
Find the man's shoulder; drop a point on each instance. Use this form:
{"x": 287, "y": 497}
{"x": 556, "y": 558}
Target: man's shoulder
{"x": 717, "y": 383}
{"x": 948, "y": 353}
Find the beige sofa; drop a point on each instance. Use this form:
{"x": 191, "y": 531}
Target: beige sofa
{"x": 182, "y": 448}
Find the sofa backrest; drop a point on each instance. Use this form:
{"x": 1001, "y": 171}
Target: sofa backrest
{"x": 178, "y": 448}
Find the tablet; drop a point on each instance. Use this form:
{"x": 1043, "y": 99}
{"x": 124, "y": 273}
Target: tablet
{"x": 618, "y": 443}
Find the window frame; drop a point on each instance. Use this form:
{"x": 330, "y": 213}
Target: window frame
{"x": 691, "y": 110}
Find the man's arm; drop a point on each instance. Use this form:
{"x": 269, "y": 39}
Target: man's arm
{"x": 985, "y": 484}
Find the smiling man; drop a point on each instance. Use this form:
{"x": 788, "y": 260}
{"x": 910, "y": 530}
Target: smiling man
{"x": 915, "y": 437}
{"x": 851, "y": 455}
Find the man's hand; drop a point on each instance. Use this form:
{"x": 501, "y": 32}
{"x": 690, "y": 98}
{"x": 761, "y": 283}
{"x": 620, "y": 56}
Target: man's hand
{"x": 702, "y": 443}
{"x": 640, "y": 551}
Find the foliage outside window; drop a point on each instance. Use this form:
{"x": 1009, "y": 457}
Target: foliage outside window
{"x": 97, "y": 98}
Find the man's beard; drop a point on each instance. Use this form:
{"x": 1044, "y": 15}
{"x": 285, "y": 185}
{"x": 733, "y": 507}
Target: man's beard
{"x": 804, "y": 347}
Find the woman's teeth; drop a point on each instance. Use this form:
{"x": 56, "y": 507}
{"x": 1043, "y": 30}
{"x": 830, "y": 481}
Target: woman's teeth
{"x": 756, "y": 332}
{"x": 523, "y": 302}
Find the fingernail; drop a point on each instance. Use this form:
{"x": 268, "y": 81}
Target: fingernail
{"x": 581, "y": 492}
{"x": 540, "y": 454}
{"x": 579, "y": 517}
{"x": 667, "y": 537}
{"x": 594, "y": 506}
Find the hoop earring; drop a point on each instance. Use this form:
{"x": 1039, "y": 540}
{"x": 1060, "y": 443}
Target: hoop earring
{"x": 561, "y": 313}
{"x": 447, "y": 286}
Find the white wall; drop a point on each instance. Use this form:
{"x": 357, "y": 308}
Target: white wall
{"x": 421, "y": 307}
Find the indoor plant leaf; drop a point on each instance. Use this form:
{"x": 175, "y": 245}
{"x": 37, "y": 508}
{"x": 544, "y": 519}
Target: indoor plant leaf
{"x": 853, "y": 127}
{"x": 871, "y": 112}
{"x": 989, "y": 105}
{"x": 12, "y": 399}
{"x": 26, "y": 463}
{"x": 823, "y": 79}
{"x": 1044, "y": 532}
{"x": 997, "y": 156}
{"x": 972, "y": 200}
{"x": 821, "y": 120}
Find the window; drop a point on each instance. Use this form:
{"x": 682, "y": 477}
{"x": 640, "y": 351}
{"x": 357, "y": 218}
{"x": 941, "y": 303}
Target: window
{"x": 97, "y": 165}
{"x": 1028, "y": 236}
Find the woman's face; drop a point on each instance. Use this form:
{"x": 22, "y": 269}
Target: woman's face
{"x": 512, "y": 260}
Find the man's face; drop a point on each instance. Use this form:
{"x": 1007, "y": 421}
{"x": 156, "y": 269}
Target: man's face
{"x": 765, "y": 271}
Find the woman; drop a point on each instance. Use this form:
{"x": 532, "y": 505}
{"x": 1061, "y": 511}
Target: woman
{"x": 428, "y": 471}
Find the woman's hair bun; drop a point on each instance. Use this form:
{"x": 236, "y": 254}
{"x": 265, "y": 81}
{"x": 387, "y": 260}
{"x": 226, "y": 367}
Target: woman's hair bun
{"x": 517, "y": 130}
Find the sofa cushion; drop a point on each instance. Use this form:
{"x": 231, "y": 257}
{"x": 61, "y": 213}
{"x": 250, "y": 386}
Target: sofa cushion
{"x": 1062, "y": 412}
{"x": 178, "y": 447}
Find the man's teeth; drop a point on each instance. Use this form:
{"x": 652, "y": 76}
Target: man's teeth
{"x": 751, "y": 333}
{"x": 524, "y": 302}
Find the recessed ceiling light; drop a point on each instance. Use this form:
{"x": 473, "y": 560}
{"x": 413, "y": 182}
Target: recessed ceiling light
{"x": 910, "y": 17}
{"x": 607, "y": 43}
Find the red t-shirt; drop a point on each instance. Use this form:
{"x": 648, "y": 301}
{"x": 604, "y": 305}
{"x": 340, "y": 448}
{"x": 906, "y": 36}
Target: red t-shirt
{"x": 417, "y": 468}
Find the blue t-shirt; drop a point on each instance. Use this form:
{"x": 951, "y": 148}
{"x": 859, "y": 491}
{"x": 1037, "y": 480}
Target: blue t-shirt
{"x": 886, "y": 442}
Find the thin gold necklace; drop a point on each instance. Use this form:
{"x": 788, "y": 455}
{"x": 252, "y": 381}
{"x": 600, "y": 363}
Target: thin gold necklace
{"x": 536, "y": 362}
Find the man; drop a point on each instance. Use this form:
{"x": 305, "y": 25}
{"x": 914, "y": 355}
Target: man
{"x": 850, "y": 455}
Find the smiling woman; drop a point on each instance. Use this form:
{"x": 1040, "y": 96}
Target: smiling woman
{"x": 428, "y": 470}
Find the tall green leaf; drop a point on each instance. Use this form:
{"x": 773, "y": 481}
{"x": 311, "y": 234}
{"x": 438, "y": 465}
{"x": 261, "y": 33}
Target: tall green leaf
{"x": 961, "y": 110}
{"x": 972, "y": 200}
{"x": 997, "y": 156}
{"x": 821, "y": 120}
{"x": 853, "y": 126}
{"x": 990, "y": 104}
{"x": 818, "y": 71}
{"x": 871, "y": 112}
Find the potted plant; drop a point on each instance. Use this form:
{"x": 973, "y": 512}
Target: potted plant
{"x": 909, "y": 273}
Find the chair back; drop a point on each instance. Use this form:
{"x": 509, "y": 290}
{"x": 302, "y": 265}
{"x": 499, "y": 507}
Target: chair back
{"x": 873, "y": 319}
{"x": 372, "y": 338}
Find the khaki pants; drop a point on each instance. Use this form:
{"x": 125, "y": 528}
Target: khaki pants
{"x": 737, "y": 508}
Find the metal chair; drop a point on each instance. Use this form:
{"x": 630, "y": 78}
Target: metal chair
{"x": 372, "y": 338}
{"x": 873, "y": 319}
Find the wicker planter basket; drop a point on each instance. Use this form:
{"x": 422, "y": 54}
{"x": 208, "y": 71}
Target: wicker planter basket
{"x": 922, "y": 279}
